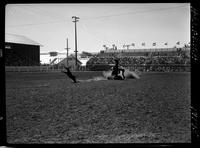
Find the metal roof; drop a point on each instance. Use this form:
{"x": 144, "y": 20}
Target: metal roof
{"x": 70, "y": 59}
{"x": 13, "y": 38}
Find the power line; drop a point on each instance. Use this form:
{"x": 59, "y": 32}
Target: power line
{"x": 35, "y": 12}
{"x": 36, "y": 24}
{"x": 134, "y": 12}
{"x": 94, "y": 35}
{"x": 48, "y": 13}
{"x": 100, "y": 17}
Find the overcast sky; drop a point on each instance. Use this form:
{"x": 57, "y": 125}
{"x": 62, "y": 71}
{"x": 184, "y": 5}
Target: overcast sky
{"x": 100, "y": 24}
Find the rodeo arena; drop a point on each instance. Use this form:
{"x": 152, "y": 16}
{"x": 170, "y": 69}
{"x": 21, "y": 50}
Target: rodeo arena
{"x": 124, "y": 76}
{"x": 145, "y": 99}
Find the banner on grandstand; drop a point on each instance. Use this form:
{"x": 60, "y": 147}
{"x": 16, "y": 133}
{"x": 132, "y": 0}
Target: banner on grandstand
{"x": 127, "y": 46}
{"x": 154, "y": 44}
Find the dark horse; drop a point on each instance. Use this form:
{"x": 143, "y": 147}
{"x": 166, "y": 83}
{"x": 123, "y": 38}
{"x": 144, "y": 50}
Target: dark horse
{"x": 69, "y": 74}
{"x": 116, "y": 71}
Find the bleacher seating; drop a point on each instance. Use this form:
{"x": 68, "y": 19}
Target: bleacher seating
{"x": 157, "y": 61}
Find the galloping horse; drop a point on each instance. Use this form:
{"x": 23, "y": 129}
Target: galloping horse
{"x": 116, "y": 71}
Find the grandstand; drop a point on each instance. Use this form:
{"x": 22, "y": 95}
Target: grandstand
{"x": 21, "y": 51}
{"x": 166, "y": 59}
{"x": 144, "y": 52}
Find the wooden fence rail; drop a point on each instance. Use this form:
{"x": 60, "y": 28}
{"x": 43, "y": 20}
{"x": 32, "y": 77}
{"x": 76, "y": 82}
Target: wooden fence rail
{"x": 158, "y": 67}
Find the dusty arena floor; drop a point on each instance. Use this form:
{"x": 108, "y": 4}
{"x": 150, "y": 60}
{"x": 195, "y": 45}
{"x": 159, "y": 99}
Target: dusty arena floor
{"x": 49, "y": 108}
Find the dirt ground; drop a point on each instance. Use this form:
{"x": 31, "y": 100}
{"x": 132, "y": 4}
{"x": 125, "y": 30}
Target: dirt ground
{"x": 49, "y": 108}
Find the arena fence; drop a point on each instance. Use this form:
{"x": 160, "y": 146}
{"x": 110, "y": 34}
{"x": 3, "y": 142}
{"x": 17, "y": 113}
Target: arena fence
{"x": 146, "y": 68}
{"x": 26, "y": 68}
{"x": 37, "y": 69}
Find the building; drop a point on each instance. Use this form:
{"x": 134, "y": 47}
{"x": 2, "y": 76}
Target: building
{"x": 84, "y": 60}
{"x": 21, "y": 51}
{"x": 70, "y": 62}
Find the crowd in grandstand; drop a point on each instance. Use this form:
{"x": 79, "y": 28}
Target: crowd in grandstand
{"x": 146, "y": 63}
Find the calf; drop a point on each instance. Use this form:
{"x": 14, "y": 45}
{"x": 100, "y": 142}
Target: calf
{"x": 69, "y": 74}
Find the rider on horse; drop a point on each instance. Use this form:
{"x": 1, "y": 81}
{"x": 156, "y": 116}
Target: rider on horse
{"x": 116, "y": 71}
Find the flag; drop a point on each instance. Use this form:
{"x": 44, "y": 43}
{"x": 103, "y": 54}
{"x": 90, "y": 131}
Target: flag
{"x": 166, "y": 43}
{"x": 154, "y": 44}
{"x": 143, "y": 44}
{"x": 178, "y": 43}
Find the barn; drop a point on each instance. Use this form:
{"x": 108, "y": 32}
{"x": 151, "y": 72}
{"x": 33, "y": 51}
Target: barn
{"x": 21, "y": 51}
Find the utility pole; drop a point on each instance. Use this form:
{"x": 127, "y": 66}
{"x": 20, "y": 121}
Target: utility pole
{"x": 67, "y": 51}
{"x": 75, "y": 20}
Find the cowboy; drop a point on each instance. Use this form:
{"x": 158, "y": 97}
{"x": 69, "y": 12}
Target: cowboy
{"x": 116, "y": 71}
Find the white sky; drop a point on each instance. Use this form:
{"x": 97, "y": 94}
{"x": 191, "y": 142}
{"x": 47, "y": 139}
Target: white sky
{"x": 99, "y": 24}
